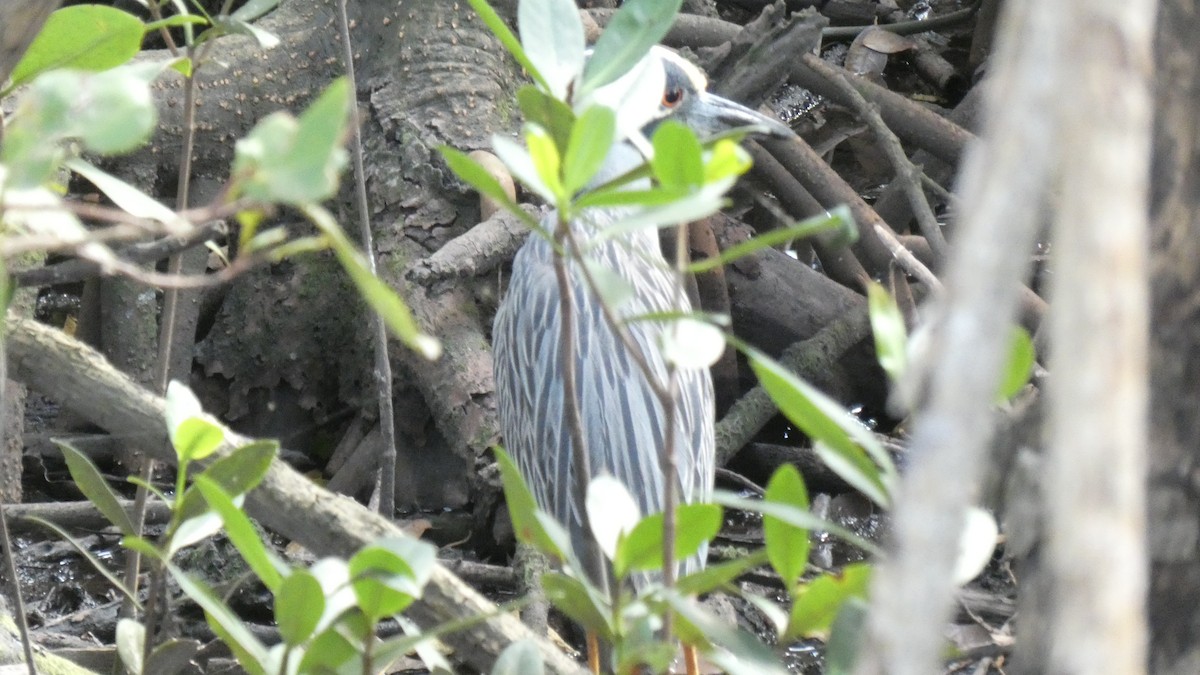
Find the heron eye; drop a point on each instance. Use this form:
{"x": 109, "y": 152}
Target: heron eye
{"x": 672, "y": 97}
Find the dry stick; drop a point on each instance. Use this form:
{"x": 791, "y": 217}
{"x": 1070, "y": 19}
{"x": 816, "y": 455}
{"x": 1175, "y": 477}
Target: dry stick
{"x": 580, "y": 464}
{"x": 906, "y": 172}
{"x": 79, "y": 269}
{"x": 907, "y": 260}
{"x": 62, "y": 368}
{"x": 169, "y": 322}
{"x": 670, "y": 463}
{"x": 383, "y": 364}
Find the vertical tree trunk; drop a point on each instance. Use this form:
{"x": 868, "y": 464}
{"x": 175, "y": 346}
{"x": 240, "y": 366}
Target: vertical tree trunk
{"x": 1174, "y": 508}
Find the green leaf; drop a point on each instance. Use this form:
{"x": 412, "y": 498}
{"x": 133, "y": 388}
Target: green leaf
{"x": 332, "y": 652}
{"x": 591, "y": 139}
{"x": 509, "y": 41}
{"x": 108, "y": 112}
{"x": 857, "y": 469}
{"x": 83, "y": 37}
{"x": 837, "y": 437}
{"x": 192, "y": 436}
{"x": 677, "y": 161}
{"x": 817, "y": 604}
{"x": 379, "y": 296}
{"x": 254, "y": 9}
{"x": 172, "y": 656}
{"x": 553, "y": 115}
{"x": 891, "y": 336}
{"x": 615, "y": 196}
{"x": 131, "y": 638}
{"x": 299, "y": 604}
{"x": 232, "y": 25}
{"x": 143, "y": 547}
{"x": 196, "y": 439}
{"x": 546, "y": 160}
{"x": 787, "y": 545}
{"x": 522, "y": 508}
{"x": 243, "y": 535}
{"x": 521, "y": 657}
{"x": 579, "y": 601}
{"x": 520, "y": 163}
{"x": 726, "y": 160}
{"x": 474, "y": 174}
{"x": 642, "y": 549}
{"x": 1021, "y": 357}
{"x": 176, "y": 20}
{"x": 132, "y": 200}
{"x": 611, "y": 513}
{"x": 552, "y": 36}
{"x": 796, "y": 517}
{"x": 389, "y": 574}
{"x": 334, "y": 576}
{"x": 846, "y": 637}
{"x": 87, "y": 554}
{"x": 251, "y": 653}
{"x": 637, "y": 26}
{"x": 739, "y": 652}
{"x": 93, "y": 486}
{"x": 236, "y": 473}
{"x": 292, "y": 160}
{"x": 837, "y": 219}
{"x": 698, "y": 205}
{"x": 719, "y": 576}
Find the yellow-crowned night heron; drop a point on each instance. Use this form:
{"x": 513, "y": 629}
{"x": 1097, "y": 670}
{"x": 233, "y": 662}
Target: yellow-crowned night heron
{"x": 623, "y": 420}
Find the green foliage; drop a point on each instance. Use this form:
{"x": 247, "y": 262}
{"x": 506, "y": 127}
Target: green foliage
{"x": 93, "y": 486}
{"x": 83, "y": 37}
{"x": 326, "y": 614}
{"x": 843, "y": 443}
{"x": 837, "y": 219}
{"x": 296, "y": 160}
{"x": 787, "y": 545}
{"x": 389, "y": 574}
{"x": 522, "y": 509}
{"x": 106, "y": 112}
{"x": 818, "y": 602}
{"x": 891, "y": 336}
{"x": 520, "y": 658}
{"x": 1021, "y": 358}
{"x": 642, "y": 549}
{"x": 632, "y": 31}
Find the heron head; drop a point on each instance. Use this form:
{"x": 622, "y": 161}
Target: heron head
{"x": 685, "y": 99}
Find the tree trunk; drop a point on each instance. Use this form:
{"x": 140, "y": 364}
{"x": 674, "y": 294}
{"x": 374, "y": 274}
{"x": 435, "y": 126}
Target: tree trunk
{"x": 1174, "y": 508}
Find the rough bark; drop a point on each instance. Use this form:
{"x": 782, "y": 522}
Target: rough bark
{"x": 1174, "y": 500}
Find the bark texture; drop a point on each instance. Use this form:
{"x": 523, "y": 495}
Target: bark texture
{"x": 1174, "y": 500}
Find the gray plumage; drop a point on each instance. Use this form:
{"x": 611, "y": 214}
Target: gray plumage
{"x": 623, "y": 420}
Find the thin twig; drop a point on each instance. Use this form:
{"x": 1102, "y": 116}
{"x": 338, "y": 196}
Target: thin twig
{"x": 79, "y": 269}
{"x": 615, "y": 322}
{"x": 907, "y": 260}
{"x": 383, "y": 365}
{"x": 906, "y": 172}
{"x": 581, "y": 467}
{"x": 670, "y": 405}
